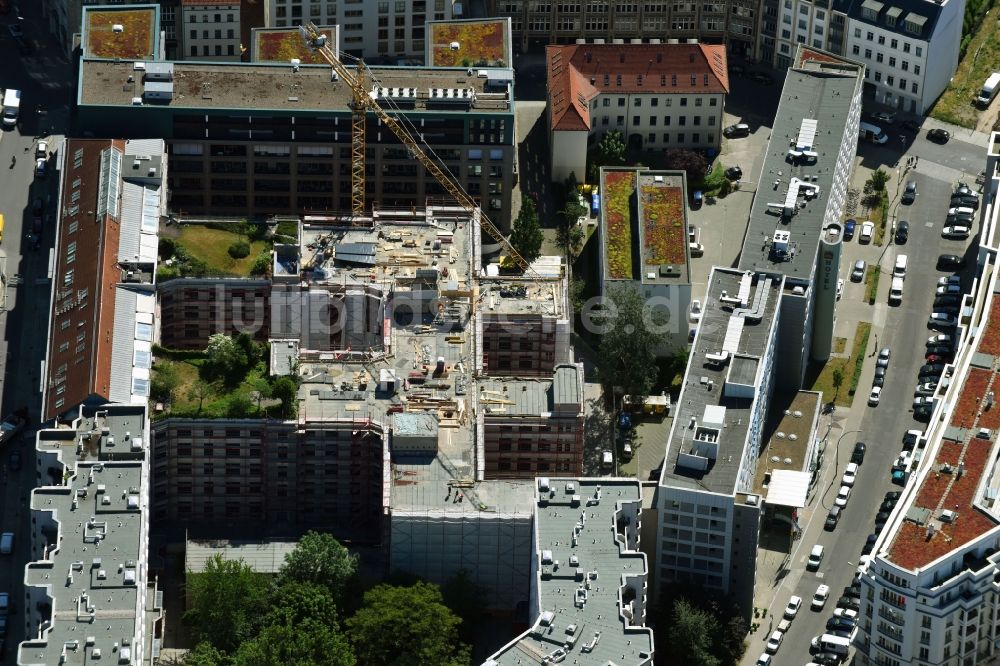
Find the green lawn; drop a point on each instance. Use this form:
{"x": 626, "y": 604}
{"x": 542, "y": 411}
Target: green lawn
{"x": 850, "y": 367}
{"x": 955, "y": 104}
{"x": 216, "y": 405}
{"x": 212, "y": 247}
{"x": 871, "y": 283}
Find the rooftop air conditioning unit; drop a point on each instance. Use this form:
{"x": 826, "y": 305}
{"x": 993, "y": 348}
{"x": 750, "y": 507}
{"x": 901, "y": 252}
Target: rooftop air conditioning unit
{"x": 117, "y": 27}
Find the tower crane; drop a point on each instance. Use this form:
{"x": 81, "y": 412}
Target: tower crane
{"x": 364, "y": 101}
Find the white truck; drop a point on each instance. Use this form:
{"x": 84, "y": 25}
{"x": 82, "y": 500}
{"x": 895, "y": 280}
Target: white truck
{"x": 989, "y": 91}
{"x": 11, "y": 107}
{"x": 896, "y": 291}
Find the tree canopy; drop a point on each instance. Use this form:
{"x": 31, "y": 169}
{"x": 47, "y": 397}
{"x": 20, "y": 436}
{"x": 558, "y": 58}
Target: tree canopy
{"x": 228, "y": 601}
{"x": 526, "y": 234}
{"x": 406, "y": 626}
{"x": 692, "y": 163}
{"x": 630, "y": 340}
{"x": 319, "y": 559}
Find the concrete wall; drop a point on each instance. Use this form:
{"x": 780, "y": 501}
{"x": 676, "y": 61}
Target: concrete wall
{"x": 569, "y": 155}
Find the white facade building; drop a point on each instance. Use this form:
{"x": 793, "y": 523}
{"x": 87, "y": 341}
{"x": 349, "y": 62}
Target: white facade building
{"x": 910, "y": 48}
{"x": 931, "y": 594}
{"x": 368, "y": 28}
{"x": 210, "y": 30}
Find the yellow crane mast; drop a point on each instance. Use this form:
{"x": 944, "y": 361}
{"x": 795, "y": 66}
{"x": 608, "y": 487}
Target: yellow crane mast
{"x": 364, "y": 101}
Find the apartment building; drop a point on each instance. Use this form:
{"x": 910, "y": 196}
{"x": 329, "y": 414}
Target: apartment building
{"x": 194, "y": 309}
{"x": 819, "y": 24}
{"x": 595, "y": 613}
{"x": 648, "y": 251}
{"x": 929, "y": 594}
{"x": 102, "y": 311}
{"x": 658, "y": 96}
{"x": 910, "y": 49}
{"x": 88, "y": 592}
{"x": 778, "y": 303}
{"x": 536, "y": 24}
{"x": 266, "y": 138}
{"x": 384, "y": 31}
{"x": 210, "y": 30}
{"x": 532, "y": 427}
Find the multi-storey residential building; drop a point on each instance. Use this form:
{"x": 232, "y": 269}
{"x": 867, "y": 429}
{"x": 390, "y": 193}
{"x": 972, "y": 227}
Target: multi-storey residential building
{"x": 192, "y": 309}
{"x": 929, "y": 595}
{"x": 657, "y": 96}
{"x": 910, "y": 49}
{"x": 588, "y": 596}
{"x": 369, "y": 29}
{"x": 210, "y": 30}
{"x": 819, "y": 24}
{"x": 257, "y": 139}
{"x": 648, "y": 251}
{"x": 101, "y": 318}
{"x": 88, "y": 596}
{"x": 537, "y": 24}
{"x": 779, "y": 303}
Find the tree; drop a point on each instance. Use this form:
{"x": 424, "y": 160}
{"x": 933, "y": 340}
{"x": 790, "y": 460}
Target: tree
{"x": 570, "y": 238}
{"x": 262, "y": 390}
{"x": 225, "y": 357}
{"x": 632, "y": 333}
{"x": 239, "y": 405}
{"x": 838, "y": 380}
{"x": 199, "y": 391}
{"x": 611, "y": 149}
{"x": 286, "y": 390}
{"x": 878, "y": 179}
{"x": 319, "y": 559}
{"x": 692, "y": 163}
{"x": 164, "y": 382}
{"x": 205, "y": 654}
{"x": 252, "y": 350}
{"x": 406, "y": 626}
{"x": 690, "y": 633}
{"x": 526, "y": 234}
{"x": 166, "y": 247}
{"x": 239, "y": 250}
{"x": 309, "y": 643}
{"x": 228, "y": 601}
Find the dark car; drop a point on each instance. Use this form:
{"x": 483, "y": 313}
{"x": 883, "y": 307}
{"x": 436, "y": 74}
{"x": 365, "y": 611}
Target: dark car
{"x": 869, "y": 544}
{"x": 697, "y": 198}
{"x": 838, "y": 622}
{"x": 734, "y": 173}
{"x": 893, "y": 495}
{"x": 947, "y": 299}
{"x": 859, "y": 453}
{"x": 931, "y": 369}
{"x": 879, "y": 378}
{"x": 736, "y": 131}
{"x": 911, "y": 125}
{"x": 887, "y": 505}
{"x": 923, "y": 414}
{"x": 847, "y": 602}
{"x": 853, "y": 590}
{"x": 762, "y": 78}
{"x": 950, "y": 262}
{"x": 827, "y": 658}
{"x": 902, "y": 232}
{"x": 849, "y": 227}
{"x": 938, "y": 135}
{"x": 14, "y": 462}
{"x": 939, "y": 350}
{"x": 880, "y": 518}
{"x": 910, "y": 193}
{"x": 832, "y": 518}
{"x": 969, "y": 200}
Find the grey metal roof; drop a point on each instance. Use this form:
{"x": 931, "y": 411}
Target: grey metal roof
{"x": 921, "y": 13}
{"x": 826, "y": 97}
{"x": 261, "y": 556}
{"x": 752, "y": 339}
{"x": 132, "y": 308}
{"x": 743, "y": 369}
{"x": 356, "y": 253}
{"x": 605, "y": 558}
{"x": 566, "y": 385}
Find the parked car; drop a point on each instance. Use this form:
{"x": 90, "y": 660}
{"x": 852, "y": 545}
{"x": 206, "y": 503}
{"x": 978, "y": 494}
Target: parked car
{"x": 923, "y": 401}
{"x": 869, "y": 544}
{"x": 849, "y": 227}
{"x": 734, "y": 173}
{"x": 927, "y": 388}
{"x": 40, "y": 166}
{"x": 893, "y": 495}
{"x": 965, "y": 200}
{"x": 887, "y": 117}
{"x": 902, "y": 232}
{"x": 941, "y": 320}
{"x": 774, "y": 642}
{"x": 931, "y": 370}
{"x": 42, "y": 149}
{"x": 843, "y": 495}
{"x": 950, "y": 262}
{"x": 955, "y": 232}
{"x": 879, "y": 378}
{"x": 884, "y": 355}
{"x": 14, "y": 462}
{"x": 949, "y": 279}
{"x": 848, "y": 602}
{"x": 911, "y": 125}
{"x": 867, "y": 231}
{"x": 949, "y": 289}
{"x": 874, "y": 396}
{"x": 736, "y": 131}
{"x": 832, "y": 518}
{"x": 794, "y": 603}
{"x": 840, "y": 288}
{"x": 858, "y": 456}
{"x": 815, "y": 558}
{"x": 763, "y": 660}
{"x": 820, "y": 596}
{"x": 938, "y": 135}
{"x": 762, "y": 78}
{"x": 939, "y": 351}
{"x": 846, "y": 612}
{"x": 15, "y": 30}
{"x": 858, "y": 274}
{"x": 909, "y": 193}
{"x": 940, "y": 339}
{"x": 947, "y": 299}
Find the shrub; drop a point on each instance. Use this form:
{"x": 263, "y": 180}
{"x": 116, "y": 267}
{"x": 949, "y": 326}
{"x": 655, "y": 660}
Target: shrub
{"x": 167, "y": 247}
{"x": 239, "y": 250}
{"x": 262, "y": 264}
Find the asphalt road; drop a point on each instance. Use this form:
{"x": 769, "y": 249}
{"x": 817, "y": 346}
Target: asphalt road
{"x": 904, "y": 330}
{"x": 24, "y": 293}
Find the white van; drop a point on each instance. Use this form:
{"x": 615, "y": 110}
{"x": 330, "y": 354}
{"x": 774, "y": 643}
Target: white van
{"x": 835, "y": 644}
{"x": 872, "y": 133}
{"x": 896, "y": 291}
{"x": 900, "y": 268}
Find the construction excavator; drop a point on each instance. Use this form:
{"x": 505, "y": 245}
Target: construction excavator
{"x": 364, "y": 101}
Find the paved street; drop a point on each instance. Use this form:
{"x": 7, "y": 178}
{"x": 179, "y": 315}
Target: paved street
{"x": 44, "y": 80}
{"x": 903, "y": 329}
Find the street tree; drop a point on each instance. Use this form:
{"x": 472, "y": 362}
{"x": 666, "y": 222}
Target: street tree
{"x": 632, "y": 333}
{"x": 319, "y": 559}
{"x": 837, "y": 377}
{"x": 228, "y": 601}
{"x": 526, "y": 234}
{"x": 406, "y": 626}
{"x": 690, "y": 636}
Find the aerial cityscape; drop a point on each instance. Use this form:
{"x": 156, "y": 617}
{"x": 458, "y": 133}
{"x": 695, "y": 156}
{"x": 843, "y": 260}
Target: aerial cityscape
{"x": 500, "y": 333}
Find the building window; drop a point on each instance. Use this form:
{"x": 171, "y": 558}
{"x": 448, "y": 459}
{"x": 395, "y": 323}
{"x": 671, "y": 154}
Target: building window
{"x": 892, "y": 61}
{"x": 913, "y": 87}
{"x": 916, "y": 70}
{"x": 889, "y": 80}
{"x": 894, "y": 43}
{"x": 878, "y": 57}
{"x": 906, "y": 47}
{"x": 856, "y": 50}
{"x": 881, "y": 40}
{"x": 868, "y": 54}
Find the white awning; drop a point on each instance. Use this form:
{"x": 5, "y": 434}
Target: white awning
{"x": 788, "y": 488}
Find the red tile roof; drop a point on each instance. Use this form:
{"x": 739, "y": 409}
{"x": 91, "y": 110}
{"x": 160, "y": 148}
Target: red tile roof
{"x": 576, "y": 74}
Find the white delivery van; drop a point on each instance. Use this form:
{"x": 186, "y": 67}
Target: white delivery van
{"x": 11, "y": 106}
{"x": 989, "y": 91}
{"x": 872, "y": 133}
{"x": 835, "y": 644}
{"x": 896, "y": 291}
{"x": 899, "y": 270}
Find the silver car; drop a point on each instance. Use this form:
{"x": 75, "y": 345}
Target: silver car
{"x": 858, "y": 274}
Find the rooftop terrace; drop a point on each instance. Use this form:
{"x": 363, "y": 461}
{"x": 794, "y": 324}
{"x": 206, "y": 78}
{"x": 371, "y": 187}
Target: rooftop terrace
{"x": 267, "y": 86}
{"x": 798, "y": 170}
{"x": 719, "y": 393}
{"x": 589, "y": 570}
{"x": 949, "y": 508}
